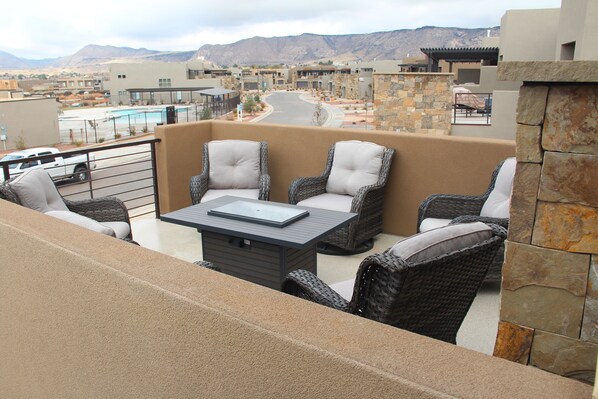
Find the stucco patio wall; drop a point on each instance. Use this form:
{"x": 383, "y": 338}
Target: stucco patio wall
{"x": 422, "y": 164}
{"x": 84, "y": 315}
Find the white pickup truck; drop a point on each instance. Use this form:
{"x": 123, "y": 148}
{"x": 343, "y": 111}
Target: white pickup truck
{"x": 58, "y": 167}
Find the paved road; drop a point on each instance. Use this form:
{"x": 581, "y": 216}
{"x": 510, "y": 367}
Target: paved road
{"x": 289, "y": 109}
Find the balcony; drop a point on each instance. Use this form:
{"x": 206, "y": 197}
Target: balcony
{"x": 86, "y": 315}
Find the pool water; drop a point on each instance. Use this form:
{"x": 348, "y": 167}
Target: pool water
{"x": 143, "y": 115}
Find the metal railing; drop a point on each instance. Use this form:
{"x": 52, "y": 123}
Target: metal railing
{"x": 472, "y": 108}
{"x": 144, "y": 119}
{"x": 126, "y": 171}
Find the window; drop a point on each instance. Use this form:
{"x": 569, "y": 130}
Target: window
{"x": 164, "y": 83}
{"x": 568, "y": 51}
{"x": 49, "y": 160}
{"x": 122, "y": 76}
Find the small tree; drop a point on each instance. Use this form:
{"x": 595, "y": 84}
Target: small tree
{"x": 206, "y": 113}
{"x": 249, "y": 105}
{"x": 319, "y": 116}
{"x": 20, "y": 142}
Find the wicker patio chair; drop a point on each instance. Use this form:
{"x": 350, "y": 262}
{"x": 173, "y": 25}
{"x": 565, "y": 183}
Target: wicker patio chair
{"x": 490, "y": 207}
{"x": 426, "y": 291}
{"x": 108, "y": 215}
{"x": 362, "y": 196}
{"x": 232, "y": 167}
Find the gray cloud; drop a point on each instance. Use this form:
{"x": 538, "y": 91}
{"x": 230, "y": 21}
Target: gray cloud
{"x": 44, "y": 30}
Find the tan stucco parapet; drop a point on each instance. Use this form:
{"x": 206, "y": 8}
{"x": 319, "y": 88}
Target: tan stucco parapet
{"x": 548, "y": 71}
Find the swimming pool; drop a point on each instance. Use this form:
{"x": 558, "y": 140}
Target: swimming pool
{"x": 143, "y": 115}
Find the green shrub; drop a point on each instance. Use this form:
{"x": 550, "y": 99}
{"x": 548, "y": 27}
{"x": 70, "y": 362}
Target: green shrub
{"x": 20, "y": 143}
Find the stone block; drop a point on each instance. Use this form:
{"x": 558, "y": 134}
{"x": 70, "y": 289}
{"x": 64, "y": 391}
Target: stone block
{"x": 571, "y": 178}
{"x": 532, "y": 104}
{"x": 513, "y": 342}
{"x": 528, "y": 265}
{"x": 589, "y": 328}
{"x": 528, "y": 147}
{"x": 548, "y": 71}
{"x": 564, "y": 356}
{"x": 545, "y": 308}
{"x": 571, "y": 120}
{"x": 569, "y": 227}
{"x": 523, "y": 202}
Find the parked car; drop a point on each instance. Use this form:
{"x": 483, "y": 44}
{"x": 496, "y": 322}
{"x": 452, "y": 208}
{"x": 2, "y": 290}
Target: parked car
{"x": 60, "y": 166}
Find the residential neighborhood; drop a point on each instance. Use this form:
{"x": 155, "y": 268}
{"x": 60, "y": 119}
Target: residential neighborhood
{"x": 327, "y": 222}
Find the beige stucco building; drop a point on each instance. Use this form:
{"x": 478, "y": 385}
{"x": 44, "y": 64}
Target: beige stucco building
{"x": 161, "y": 82}
{"x": 33, "y": 121}
{"x": 568, "y": 33}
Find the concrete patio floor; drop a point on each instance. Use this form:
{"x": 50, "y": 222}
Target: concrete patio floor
{"x": 478, "y": 331}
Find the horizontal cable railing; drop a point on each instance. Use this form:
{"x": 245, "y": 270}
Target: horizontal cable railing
{"x": 126, "y": 171}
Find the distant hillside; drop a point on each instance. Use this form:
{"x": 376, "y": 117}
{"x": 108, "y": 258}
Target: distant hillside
{"x": 94, "y": 55}
{"x": 304, "y": 48}
{"x": 363, "y": 47}
{"x": 9, "y": 61}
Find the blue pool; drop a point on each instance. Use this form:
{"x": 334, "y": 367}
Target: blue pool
{"x": 143, "y": 115}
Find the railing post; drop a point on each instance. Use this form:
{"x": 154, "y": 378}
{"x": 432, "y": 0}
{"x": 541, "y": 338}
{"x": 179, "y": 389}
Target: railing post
{"x": 6, "y": 172}
{"x": 155, "y": 176}
{"x": 89, "y": 176}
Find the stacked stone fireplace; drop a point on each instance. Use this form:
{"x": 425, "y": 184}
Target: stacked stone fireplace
{"x": 549, "y": 296}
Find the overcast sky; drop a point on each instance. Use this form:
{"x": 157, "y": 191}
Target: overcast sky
{"x": 38, "y": 29}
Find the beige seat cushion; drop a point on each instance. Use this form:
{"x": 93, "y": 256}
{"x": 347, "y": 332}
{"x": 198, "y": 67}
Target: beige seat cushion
{"x": 37, "y": 191}
{"x": 432, "y": 223}
{"x": 440, "y": 241}
{"x": 355, "y": 164}
{"x": 82, "y": 221}
{"x": 234, "y": 164}
{"x": 332, "y": 202}
{"x": 344, "y": 288}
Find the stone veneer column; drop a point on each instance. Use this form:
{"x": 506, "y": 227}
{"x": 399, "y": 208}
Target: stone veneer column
{"x": 413, "y": 102}
{"x": 549, "y": 297}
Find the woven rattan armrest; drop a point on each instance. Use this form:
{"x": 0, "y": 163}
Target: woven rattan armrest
{"x": 264, "y": 187}
{"x": 307, "y": 285}
{"x": 198, "y": 186}
{"x": 449, "y": 206}
{"x": 306, "y": 187}
{"x": 104, "y": 209}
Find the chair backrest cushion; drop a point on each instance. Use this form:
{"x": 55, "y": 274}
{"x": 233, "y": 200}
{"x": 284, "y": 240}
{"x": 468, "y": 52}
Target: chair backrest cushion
{"x": 355, "y": 164}
{"x": 234, "y": 164}
{"x": 499, "y": 201}
{"x": 440, "y": 241}
{"x": 37, "y": 191}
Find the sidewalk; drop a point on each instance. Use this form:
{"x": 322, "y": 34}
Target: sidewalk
{"x": 345, "y": 113}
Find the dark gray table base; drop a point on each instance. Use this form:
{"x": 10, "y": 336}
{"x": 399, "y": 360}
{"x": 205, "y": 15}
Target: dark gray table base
{"x": 255, "y": 261}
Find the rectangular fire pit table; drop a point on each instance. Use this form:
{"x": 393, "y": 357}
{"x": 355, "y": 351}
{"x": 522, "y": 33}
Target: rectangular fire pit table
{"x": 254, "y": 251}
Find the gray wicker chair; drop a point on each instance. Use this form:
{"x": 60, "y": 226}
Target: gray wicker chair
{"x": 367, "y": 203}
{"x": 465, "y": 209}
{"x": 200, "y": 184}
{"x": 429, "y": 297}
{"x": 105, "y": 209}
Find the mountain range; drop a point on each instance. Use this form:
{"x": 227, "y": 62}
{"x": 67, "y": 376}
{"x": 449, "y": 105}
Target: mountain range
{"x": 258, "y": 50}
